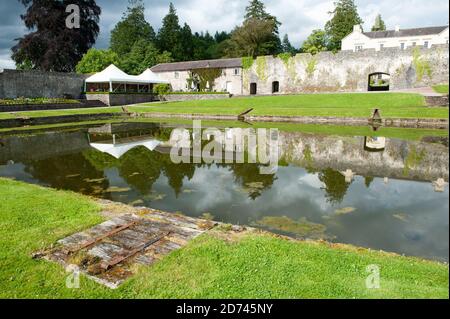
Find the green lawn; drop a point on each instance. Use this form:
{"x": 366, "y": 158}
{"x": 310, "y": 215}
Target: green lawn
{"x": 443, "y": 88}
{"x": 255, "y": 266}
{"x": 392, "y": 105}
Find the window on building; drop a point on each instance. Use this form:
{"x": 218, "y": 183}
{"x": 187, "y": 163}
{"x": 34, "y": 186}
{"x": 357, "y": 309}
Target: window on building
{"x": 358, "y": 48}
{"x": 414, "y": 44}
{"x": 402, "y": 46}
{"x": 381, "y": 46}
{"x": 177, "y": 75}
{"x": 425, "y": 44}
{"x": 236, "y": 71}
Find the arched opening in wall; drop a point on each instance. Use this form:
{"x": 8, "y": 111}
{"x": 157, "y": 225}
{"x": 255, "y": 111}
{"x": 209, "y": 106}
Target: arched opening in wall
{"x": 379, "y": 81}
{"x": 253, "y": 89}
{"x": 275, "y": 87}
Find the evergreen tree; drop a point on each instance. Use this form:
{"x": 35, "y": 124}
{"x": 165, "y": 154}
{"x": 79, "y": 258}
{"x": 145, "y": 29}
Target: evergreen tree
{"x": 287, "y": 46}
{"x": 379, "y": 24}
{"x": 132, "y": 28}
{"x": 143, "y": 55}
{"x": 345, "y": 16}
{"x": 187, "y": 42}
{"x": 169, "y": 36}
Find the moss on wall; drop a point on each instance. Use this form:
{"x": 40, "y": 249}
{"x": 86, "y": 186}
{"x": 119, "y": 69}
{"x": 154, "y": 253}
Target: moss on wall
{"x": 421, "y": 65}
{"x": 261, "y": 68}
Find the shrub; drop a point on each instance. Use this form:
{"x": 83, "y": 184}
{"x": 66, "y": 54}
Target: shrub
{"x": 161, "y": 89}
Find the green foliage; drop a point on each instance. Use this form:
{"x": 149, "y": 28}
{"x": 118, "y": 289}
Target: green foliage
{"x": 316, "y": 42}
{"x": 205, "y": 77}
{"x": 421, "y": 65}
{"x": 379, "y": 24}
{"x": 96, "y": 60}
{"x": 285, "y": 57}
{"x": 261, "y": 68}
{"x": 247, "y": 62}
{"x": 345, "y": 16}
{"x": 287, "y": 47}
{"x": 143, "y": 55}
{"x": 311, "y": 66}
{"x": 161, "y": 89}
{"x": 36, "y": 101}
{"x": 132, "y": 28}
{"x": 169, "y": 36}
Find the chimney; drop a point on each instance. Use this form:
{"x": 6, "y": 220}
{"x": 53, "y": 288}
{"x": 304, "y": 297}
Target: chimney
{"x": 397, "y": 28}
{"x": 357, "y": 28}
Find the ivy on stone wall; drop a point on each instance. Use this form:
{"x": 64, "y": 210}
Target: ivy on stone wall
{"x": 421, "y": 65}
{"x": 289, "y": 63}
{"x": 205, "y": 76}
{"x": 247, "y": 62}
{"x": 311, "y": 66}
{"x": 261, "y": 68}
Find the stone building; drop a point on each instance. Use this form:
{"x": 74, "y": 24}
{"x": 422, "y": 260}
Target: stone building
{"x": 180, "y": 75}
{"x": 398, "y": 38}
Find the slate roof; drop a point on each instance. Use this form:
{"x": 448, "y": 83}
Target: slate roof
{"x": 405, "y": 32}
{"x": 192, "y": 65}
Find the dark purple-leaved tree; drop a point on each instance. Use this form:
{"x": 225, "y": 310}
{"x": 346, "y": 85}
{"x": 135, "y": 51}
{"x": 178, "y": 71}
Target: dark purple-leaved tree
{"x": 51, "y": 45}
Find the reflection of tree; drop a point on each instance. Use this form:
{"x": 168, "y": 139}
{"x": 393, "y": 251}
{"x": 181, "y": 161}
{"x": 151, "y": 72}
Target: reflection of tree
{"x": 141, "y": 168}
{"x": 71, "y": 172}
{"x": 252, "y": 181}
{"x": 335, "y": 185}
{"x": 368, "y": 180}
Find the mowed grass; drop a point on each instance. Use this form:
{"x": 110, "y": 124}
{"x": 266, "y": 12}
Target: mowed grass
{"x": 442, "y": 88}
{"x": 392, "y": 105}
{"x": 255, "y": 265}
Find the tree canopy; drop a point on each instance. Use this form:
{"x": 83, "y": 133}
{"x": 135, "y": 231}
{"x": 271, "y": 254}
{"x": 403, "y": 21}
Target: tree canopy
{"x": 51, "y": 45}
{"x": 132, "y": 28}
{"x": 345, "y": 16}
{"x": 379, "y": 24}
{"x": 286, "y": 46}
{"x": 97, "y": 60}
{"x": 169, "y": 36}
{"x": 316, "y": 42}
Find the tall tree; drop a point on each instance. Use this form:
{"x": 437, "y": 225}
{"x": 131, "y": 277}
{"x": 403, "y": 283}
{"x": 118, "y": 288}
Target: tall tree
{"x": 51, "y": 45}
{"x": 253, "y": 38}
{"x": 286, "y": 45}
{"x": 256, "y": 10}
{"x": 169, "y": 38}
{"x": 379, "y": 24}
{"x": 345, "y": 16}
{"x": 143, "y": 55}
{"x": 132, "y": 28}
{"x": 316, "y": 42}
{"x": 187, "y": 42}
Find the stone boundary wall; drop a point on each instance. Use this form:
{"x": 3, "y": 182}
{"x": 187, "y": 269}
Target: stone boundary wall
{"x": 193, "y": 97}
{"x": 348, "y": 71}
{"x": 121, "y": 99}
{"x": 35, "y": 84}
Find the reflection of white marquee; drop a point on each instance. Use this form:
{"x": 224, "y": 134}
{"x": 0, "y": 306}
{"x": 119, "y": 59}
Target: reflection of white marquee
{"x": 375, "y": 143}
{"x": 117, "y": 150}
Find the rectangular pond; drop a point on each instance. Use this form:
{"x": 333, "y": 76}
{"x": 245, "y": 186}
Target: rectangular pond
{"x": 384, "y": 189}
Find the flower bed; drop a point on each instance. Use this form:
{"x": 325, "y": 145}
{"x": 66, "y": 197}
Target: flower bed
{"x": 36, "y": 101}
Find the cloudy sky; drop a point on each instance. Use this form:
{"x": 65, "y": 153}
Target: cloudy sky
{"x": 299, "y": 17}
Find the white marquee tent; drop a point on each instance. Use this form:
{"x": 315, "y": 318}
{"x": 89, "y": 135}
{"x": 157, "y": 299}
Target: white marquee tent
{"x": 114, "y": 75}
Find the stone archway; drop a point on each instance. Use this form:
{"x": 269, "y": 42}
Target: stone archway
{"x": 379, "y": 81}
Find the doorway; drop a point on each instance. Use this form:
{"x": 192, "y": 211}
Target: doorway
{"x": 253, "y": 88}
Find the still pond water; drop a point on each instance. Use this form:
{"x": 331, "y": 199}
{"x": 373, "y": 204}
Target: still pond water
{"x": 327, "y": 186}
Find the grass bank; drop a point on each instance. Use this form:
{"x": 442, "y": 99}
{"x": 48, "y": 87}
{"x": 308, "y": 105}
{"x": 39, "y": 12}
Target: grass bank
{"x": 255, "y": 265}
{"x": 442, "y": 88}
{"x": 392, "y": 105}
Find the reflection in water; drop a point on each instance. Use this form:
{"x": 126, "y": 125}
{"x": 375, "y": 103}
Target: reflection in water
{"x": 326, "y": 187}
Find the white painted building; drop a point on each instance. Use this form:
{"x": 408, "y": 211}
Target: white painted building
{"x": 399, "y": 38}
{"x": 177, "y": 74}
